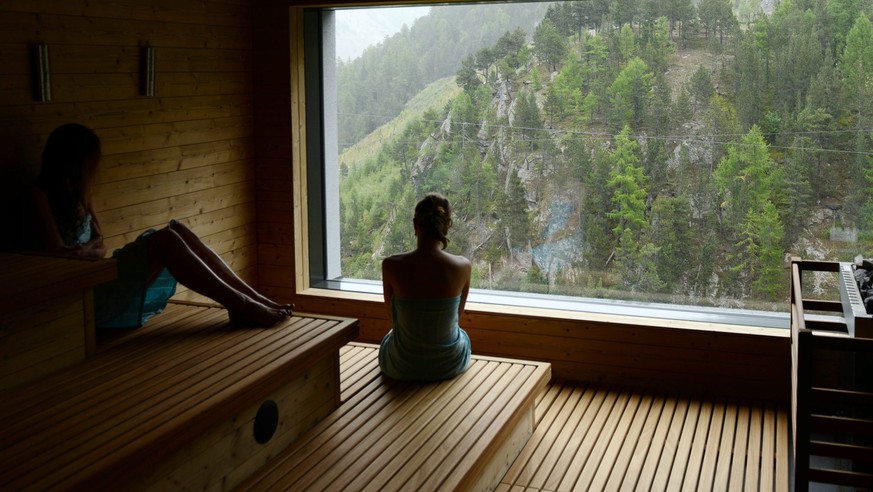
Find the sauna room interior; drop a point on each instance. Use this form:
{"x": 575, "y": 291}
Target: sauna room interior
{"x": 216, "y": 142}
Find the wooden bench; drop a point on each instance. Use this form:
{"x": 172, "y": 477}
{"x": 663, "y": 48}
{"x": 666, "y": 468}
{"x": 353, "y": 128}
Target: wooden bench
{"x": 174, "y": 404}
{"x": 46, "y": 316}
{"x": 461, "y": 434}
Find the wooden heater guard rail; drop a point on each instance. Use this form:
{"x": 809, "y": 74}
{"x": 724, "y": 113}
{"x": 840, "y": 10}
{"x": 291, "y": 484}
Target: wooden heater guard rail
{"x": 850, "y": 408}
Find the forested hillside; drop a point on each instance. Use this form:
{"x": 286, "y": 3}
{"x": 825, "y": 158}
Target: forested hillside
{"x": 654, "y": 150}
{"x": 375, "y": 86}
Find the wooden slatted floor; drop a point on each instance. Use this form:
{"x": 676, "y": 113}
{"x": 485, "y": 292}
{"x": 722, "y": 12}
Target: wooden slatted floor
{"x": 597, "y": 438}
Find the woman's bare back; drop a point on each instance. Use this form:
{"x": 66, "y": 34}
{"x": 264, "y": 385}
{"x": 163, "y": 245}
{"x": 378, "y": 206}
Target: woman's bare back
{"x": 426, "y": 274}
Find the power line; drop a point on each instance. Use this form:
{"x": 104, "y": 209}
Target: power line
{"x": 698, "y": 138}
{"x": 701, "y": 139}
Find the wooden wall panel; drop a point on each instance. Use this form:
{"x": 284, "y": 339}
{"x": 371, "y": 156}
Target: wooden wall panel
{"x": 739, "y": 362}
{"x": 273, "y": 136}
{"x": 40, "y": 339}
{"x": 185, "y": 154}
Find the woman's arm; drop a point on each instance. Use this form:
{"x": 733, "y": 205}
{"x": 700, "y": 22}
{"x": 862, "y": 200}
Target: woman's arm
{"x": 46, "y": 226}
{"x": 95, "y": 245}
{"x": 387, "y": 284}
{"x": 51, "y": 235}
{"x": 467, "y": 269}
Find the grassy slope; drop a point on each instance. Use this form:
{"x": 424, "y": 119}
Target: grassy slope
{"x": 436, "y": 95}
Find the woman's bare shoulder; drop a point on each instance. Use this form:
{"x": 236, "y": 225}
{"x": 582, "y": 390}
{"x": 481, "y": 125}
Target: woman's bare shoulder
{"x": 458, "y": 260}
{"x": 394, "y": 260}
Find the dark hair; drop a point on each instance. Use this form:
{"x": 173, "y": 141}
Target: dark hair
{"x": 434, "y": 217}
{"x": 69, "y": 163}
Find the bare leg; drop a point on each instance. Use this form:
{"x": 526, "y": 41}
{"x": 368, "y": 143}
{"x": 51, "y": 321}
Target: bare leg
{"x": 167, "y": 248}
{"x": 221, "y": 269}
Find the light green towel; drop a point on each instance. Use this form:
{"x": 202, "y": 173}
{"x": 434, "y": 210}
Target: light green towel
{"x": 425, "y": 343}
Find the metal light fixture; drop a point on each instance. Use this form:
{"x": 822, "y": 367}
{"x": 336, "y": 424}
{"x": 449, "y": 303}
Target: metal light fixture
{"x": 40, "y": 72}
{"x": 147, "y": 77}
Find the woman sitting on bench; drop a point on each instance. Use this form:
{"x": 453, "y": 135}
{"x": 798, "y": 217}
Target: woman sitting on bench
{"x": 148, "y": 267}
{"x": 425, "y": 291}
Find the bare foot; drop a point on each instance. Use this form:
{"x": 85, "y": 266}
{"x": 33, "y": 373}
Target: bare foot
{"x": 256, "y": 314}
{"x": 266, "y": 301}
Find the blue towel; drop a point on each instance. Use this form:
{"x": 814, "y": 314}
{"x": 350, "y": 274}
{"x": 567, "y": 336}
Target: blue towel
{"x": 426, "y": 343}
{"x": 129, "y": 301}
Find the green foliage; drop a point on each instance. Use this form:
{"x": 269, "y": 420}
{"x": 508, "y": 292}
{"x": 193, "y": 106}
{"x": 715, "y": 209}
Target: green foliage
{"x": 842, "y": 15}
{"x": 623, "y": 11}
{"x": 856, "y": 64}
{"x": 627, "y": 43}
{"x": 772, "y": 126}
{"x": 866, "y": 223}
{"x": 760, "y": 257}
{"x": 598, "y": 226}
{"x": 509, "y": 47}
{"x": 670, "y": 229}
{"x": 717, "y": 17}
{"x": 467, "y": 78}
{"x": 513, "y": 213}
{"x": 549, "y": 45}
{"x": 682, "y": 111}
{"x": 657, "y": 47}
{"x": 701, "y": 85}
{"x": 528, "y": 122}
{"x": 629, "y": 95}
{"x": 709, "y": 181}
{"x": 628, "y": 185}
{"x": 389, "y": 75}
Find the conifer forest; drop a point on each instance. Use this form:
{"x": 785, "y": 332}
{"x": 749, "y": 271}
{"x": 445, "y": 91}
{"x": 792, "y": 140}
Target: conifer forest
{"x": 666, "y": 151}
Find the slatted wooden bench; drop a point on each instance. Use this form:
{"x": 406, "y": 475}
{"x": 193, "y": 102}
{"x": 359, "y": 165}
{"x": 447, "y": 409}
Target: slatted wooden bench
{"x": 461, "y": 434}
{"x": 46, "y": 320}
{"x": 174, "y": 404}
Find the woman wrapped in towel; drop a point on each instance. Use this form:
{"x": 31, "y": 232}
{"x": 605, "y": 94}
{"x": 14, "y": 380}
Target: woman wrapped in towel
{"x": 425, "y": 291}
{"x": 63, "y": 222}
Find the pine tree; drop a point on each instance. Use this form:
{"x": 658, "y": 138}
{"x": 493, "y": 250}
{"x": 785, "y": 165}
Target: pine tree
{"x": 629, "y": 95}
{"x": 549, "y": 45}
{"x": 514, "y": 213}
{"x": 670, "y": 229}
{"x": 528, "y": 120}
{"x": 627, "y": 183}
{"x": 597, "y": 226}
{"x": 857, "y": 67}
{"x": 466, "y": 77}
{"x": 760, "y": 253}
{"x": 745, "y": 177}
{"x": 701, "y": 85}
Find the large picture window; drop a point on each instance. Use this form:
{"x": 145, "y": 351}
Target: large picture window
{"x": 619, "y": 157}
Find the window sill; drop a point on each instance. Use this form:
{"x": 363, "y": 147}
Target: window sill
{"x": 541, "y": 306}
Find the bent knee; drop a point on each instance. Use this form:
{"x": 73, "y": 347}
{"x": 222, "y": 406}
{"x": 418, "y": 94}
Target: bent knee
{"x": 165, "y": 238}
{"x": 178, "y": 227}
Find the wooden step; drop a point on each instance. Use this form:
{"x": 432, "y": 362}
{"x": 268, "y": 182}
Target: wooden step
{"x": 46, "y": 313}
{"x": 461, "y": 434}
{"x": 173, "y": 405}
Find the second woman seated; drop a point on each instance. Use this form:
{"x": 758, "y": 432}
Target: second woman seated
{"x": 425, "y": 292}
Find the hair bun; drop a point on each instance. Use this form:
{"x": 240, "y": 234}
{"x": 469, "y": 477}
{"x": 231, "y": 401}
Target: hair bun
{"x": 434, "y": 216}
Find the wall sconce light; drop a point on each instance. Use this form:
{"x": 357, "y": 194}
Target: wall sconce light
{"x": 40, "y": 72}
{"x": 147, "y": 72}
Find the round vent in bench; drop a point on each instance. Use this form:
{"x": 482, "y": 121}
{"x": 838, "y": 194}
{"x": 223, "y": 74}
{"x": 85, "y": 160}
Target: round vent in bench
{"x": 266, "y": 421}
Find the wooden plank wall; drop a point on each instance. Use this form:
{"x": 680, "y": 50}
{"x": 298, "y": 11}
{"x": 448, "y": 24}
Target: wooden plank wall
{"x": 273, "y": 138}
{"x": 648, "y": 354}
{"x": 187, "y": 153}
